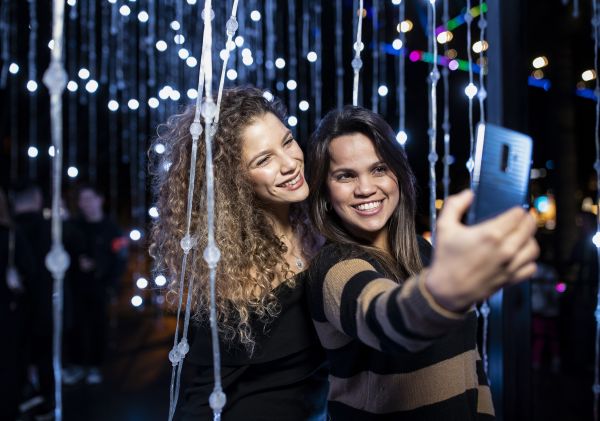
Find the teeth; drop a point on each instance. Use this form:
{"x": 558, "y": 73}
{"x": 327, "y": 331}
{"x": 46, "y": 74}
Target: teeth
{"x": 292, "y": 182}
{"x": 368, "y": 206}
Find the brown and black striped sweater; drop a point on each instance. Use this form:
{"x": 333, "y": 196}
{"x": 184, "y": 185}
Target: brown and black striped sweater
{"x": 394, "y": 353}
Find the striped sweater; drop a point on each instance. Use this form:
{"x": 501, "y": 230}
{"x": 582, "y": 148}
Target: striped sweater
{"x": 394, "y": 353}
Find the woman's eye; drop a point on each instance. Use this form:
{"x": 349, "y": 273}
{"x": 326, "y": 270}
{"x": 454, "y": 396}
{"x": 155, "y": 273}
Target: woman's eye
{"x": 343, "y": 177}
{"x": 289, "y": 141}
{"x": 262, "y": 161}
{"x": 381, "y": 169}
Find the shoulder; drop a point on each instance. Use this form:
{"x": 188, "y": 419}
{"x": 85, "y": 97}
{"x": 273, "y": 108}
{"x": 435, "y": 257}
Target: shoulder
{"x": 334, "y": 258}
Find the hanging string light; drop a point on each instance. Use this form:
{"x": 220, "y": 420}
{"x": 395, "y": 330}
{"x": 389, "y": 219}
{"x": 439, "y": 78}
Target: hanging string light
{"x": 318, "y": 64}
{"x": 470, "y": 91}
{"x": 375, "y": 58}
{"x": 356, "y": 61}
{"x": 484, "y": 310}
{"x": 447, "y": 161}
{"x": 596, "y": 30}
{"x": 92, "y": 102}
{"x": 57, "y": 261}
{"x": 401, "y": 137}
{"x": 339, "y": 65}
{"x": 434, "y": 76}
{"x": 32, "y": 85}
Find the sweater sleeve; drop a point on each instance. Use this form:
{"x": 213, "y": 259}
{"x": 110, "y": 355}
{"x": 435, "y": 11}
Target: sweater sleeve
{"x": 360, "y": 302}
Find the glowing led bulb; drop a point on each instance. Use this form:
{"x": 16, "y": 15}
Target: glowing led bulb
{"x": 401, "y": 137}
{"x": 175, "y": 25}
{"x": 136, "y": 301}
{"x": 83, "y": 73}
{"x": 183, "y": 53}
{"x": 135, "y": 234}
{"x": 141, "y": 283}
{"x": 178, "y": 39}
{"x": 113, "y": 105}
{"x": 596, "y": 239}
{"x": 161, "y": 45}
{"x": 311, "y": 56}
{"x": 91, "y": 86}
{"x": 159, "y": 148}
{"x": 291, "y": 84}
{"x": 32, "y": 86}
{"x": 382, "y": 90}
{"x": 160, "y": 280}
{"x": 191, "y": 61}
{"x": 51, "y": 151}
{"x": 292, "y": 121}
{"x": 32, "y": 151}
{"x": 133, "y": 104}
{"x": 303, "y": 105}
{"x": 124, "y": 10}
{"x": 153, "y": 102}
{"x": 239, "y": 40}
{"x": 143, "y": 16}
{"x": 255, "y": 15}
{"x": 72, "y": 172}
{"x": 397, "y": 44}
{"x": 471, "y": 90}
{"x": 13, "y": 68}
{"x": 72, "y": 86}
{"x": 232, "y": 74}
{"x": 280, "y": 63}
{"x": 153, "y": 211}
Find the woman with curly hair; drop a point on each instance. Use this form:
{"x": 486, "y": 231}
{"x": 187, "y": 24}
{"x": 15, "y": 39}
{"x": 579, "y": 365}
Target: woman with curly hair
{"x": 400, "y": 338}
{"x": 273, "y": 366}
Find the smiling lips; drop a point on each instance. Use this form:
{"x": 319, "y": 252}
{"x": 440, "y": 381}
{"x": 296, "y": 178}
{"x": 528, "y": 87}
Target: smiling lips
{"x": 294, "y": 183}
{"x": 368, "y": 208}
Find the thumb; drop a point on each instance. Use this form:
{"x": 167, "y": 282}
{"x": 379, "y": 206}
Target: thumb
{"x": 456, "y": 206}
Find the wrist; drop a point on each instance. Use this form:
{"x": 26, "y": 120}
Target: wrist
{"x": 443, "y": 294}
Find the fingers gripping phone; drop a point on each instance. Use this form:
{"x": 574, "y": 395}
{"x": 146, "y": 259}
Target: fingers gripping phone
{"x": 501, "y": 171}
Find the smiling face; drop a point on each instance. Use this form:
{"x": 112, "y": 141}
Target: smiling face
{"x": 363, "y": 191}
{"x": 274, "y": 161}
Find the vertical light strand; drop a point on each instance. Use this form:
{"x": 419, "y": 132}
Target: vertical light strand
{"x": 356, "y": 61}
{"x": 104, "y": 42}
{"x": 92, "y": 103}
{"x": 72, "y": 56}
{"x": 339, "y": 54}
{"x": 596, "y": 29}
{"x": 270, "y": 30}
{"x": 57, "y": 260}
{"x": 434, "y": 76}
{"x": 318, "y": 79}
{"x": 307, "y": 90}
{"x": 484, "y": 310}
{"x": 12, "y": 34}
{"x": 447, "y": 161}
{"x": 113, "y": 115}
{"x": 401, "y": 137}
{"x": 470, "y": 91}
{"x": 293, "y": 65}
{"x": 375, "y": 58}
{"x": 32, "y": 85}
{"x": 141, "y": 133}
{"x": 4, "y": 33}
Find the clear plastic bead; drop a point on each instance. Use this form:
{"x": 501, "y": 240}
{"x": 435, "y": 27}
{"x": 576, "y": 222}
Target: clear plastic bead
{"x": 187, "y": 243}
{"x": 470, "y": 164}
{"x": 468, "y": 17}
{"x": 55, "y": 78}
{"x": 485, "y": 309}
{"x": 217, "y": 400}
{"x": 232, "y": 26}
{"x": 183, "y": 347}
{"x": 482, "y": 94}
{"x": 212, "y": 14}
{"x": 432, "y": 157}
{"x": 356, "y": 63}
{"x": 434, "y": 76}
{"x": 57, "y": 261}
{"x": 196, "y": 129}
{"x": 209, "y": 110}
{"x": 174, "y": 356}
{"x": 482, "y": 23}
{"x": 211, "y": 255}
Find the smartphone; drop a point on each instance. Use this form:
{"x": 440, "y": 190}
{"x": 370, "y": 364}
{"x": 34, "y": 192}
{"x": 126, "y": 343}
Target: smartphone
{"x": 501, "y": 171}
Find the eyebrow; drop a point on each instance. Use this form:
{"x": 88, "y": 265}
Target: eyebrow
{"x": 343, "y": 169}
{"x": 264, "y": 151}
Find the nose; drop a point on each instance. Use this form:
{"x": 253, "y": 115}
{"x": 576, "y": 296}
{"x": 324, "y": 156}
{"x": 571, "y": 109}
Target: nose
{"x": 364, "y": 187}
{"x": 288, "y": 164}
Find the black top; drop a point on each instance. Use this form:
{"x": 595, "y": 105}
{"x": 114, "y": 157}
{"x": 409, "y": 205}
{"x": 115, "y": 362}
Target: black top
{"x": 285, "y": 378}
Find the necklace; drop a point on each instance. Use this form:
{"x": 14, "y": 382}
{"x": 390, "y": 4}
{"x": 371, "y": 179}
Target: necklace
{"x": 299, "y": 263}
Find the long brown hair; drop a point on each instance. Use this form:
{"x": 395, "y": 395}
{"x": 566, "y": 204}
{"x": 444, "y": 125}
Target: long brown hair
{"x": 252, "y": 256}
{"x": 405, "y": 259}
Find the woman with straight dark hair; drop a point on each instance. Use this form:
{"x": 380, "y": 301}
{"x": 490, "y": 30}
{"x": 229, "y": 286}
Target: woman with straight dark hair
{"x": 400, "y": 338}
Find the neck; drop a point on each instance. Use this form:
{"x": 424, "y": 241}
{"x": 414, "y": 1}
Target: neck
{"x": 280, "y": 218}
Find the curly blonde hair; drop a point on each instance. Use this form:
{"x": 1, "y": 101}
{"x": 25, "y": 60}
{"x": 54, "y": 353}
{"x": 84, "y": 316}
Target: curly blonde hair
{"x": 252, "y": 255}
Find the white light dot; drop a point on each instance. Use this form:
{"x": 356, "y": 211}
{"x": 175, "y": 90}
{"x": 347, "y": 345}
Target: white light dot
{"x": 382, "y": 90}
{"x": 303, "y": 105}
{"x": 232, "y": 74}
{"x": 255, "y": 15}
{"x": 133, "y": 104}
{"x": 113, "y": 105}
{"x": 32, "y": 152}
{"x": 191, "y": 61}
{"x": 401, "y": 137}
{"x": 396, "y": 2}
{"x": 596, "y": 239}
{"x": 192, "y": 93}
{"x": 143, "y": 16}
{"x": 191, "y": 2}
{"x": 246, "y": 52}
{"x": 141, "y": 283}
{"x": 183, "y": 53}
{"x": 153, "y": 102}
{"x": 230, "y": 45}
{"x": 72, "y": 86}
{"x": 164, "y": 93}
{"x": 161, "y": 45}
{"x": 248, "y": 60}
{"x": 72, "y": 172}
{"x": 268, "y": 96}
{"x": 397, "y": 44}
{"x": 135, "y": 234}
{"x": 239, "y": 40}
{"x": 280, "y": 63}
{"x": 136, "y": 301}
{"x": 51, "y": 44}
{"x": 153, "y": 211}
{"x": 311, "y": 56}
{"x": 179, "y": 39}
{"x": 51, "y": 151}
{"x": 471, "y": 90}
{"x": 83, "y": 73}
{"x": 291, "y": 84}
{"x": 91, "y": 86}
{"x": 292, "y": 121}
{"x": 223, "y": 54}
{"x": 71, "y": 2}
{"x": 453, "y": 65}
{"x": 124, "y": 10}
{"x": 13, "y": 68}
{"x": 112, "y": 1}
{"x": 160, "y": 280}
{"x": 32, "y": 86}
{"x": 166, "y": 166}
{"x": 175, "y": 95}
{"x": 175, "y": 25}
{"x": 159, "y": 148}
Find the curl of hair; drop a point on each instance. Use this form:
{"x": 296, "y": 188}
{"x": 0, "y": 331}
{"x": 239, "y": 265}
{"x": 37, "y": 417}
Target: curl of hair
{"x": 252, "y": 256}
{"x": 405, "y": 259}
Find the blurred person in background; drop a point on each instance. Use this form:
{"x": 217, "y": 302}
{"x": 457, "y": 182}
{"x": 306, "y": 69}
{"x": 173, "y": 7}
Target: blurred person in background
{"x": 15, "y": 277}
{"x": 101, "y": 260}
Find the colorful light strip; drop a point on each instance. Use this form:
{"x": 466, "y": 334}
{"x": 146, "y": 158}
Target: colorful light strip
{"x": 460, "y": 19}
